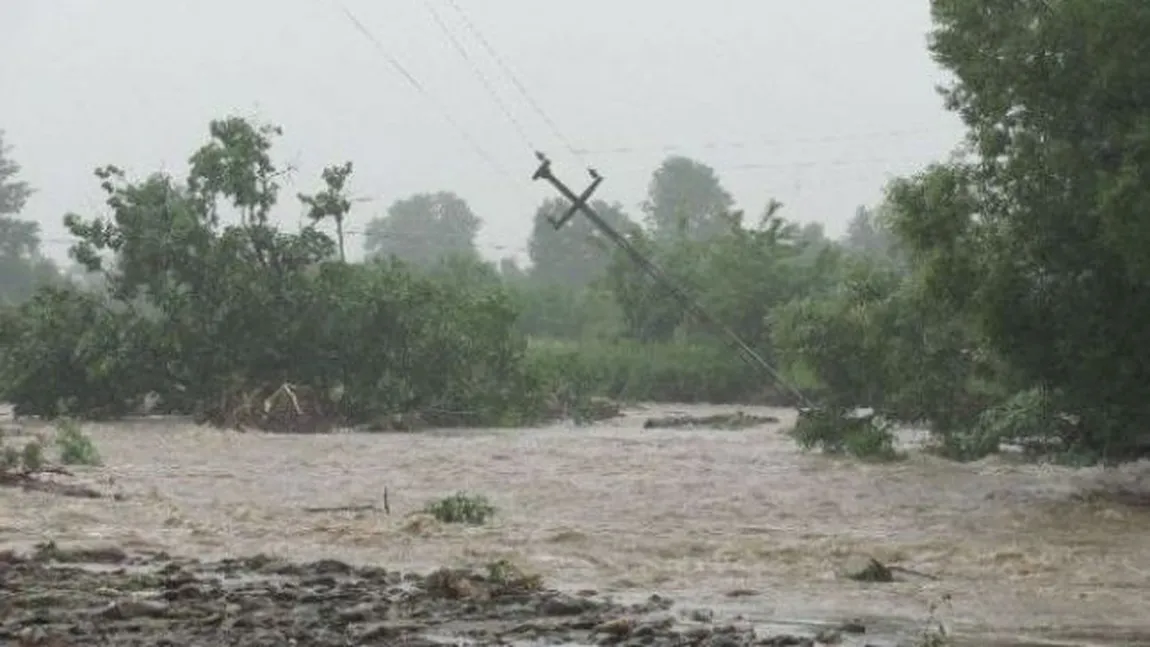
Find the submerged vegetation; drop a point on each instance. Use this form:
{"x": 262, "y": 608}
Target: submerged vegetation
{"x": 997, "y": 297}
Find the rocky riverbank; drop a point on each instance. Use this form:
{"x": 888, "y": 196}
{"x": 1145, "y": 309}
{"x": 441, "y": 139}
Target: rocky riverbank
{"x": 56, "y": 596}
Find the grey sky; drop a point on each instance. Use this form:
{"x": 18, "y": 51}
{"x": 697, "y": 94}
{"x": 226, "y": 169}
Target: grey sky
{"x": 134, "y": 82}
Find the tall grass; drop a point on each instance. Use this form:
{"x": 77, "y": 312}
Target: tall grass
{"x": 634, "y": 371}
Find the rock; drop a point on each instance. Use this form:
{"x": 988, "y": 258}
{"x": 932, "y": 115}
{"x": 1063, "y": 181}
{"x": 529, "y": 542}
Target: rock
{"x": 330, "y": 567}
{"x": 853, "y": 627}
{"x": 252, "y": 607}
{"x": 81, "y": 553}
{"x": 617, "y": 627}
{"x": 868, "y": 570}
{"x": 829, "y": 637}
{"x": 565, "y": 605}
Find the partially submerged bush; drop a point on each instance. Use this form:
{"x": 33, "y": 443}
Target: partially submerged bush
{"x": 75, "y": 447}
{"x": 838, "y": 432}
{"x": 27, "y": 459}
{"x": 461, "y": 507}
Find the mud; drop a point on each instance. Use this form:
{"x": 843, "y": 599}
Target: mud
{"x": 100, "y": 595}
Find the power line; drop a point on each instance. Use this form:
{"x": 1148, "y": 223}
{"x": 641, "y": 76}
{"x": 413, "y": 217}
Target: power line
{"x": 884, "y": 162}
{"x": 754, "y": 143}
{"x": 395, "y": 64}
{"x": 474, "y": 30}
{"x": 462, "y": 51}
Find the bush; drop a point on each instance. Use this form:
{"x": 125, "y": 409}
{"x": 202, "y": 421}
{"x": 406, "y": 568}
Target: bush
{"x": 28, "y": 460}
{"x": 839, "y": 432}
{"x": 473, "y": 509}
{"x": 75, "y": 447}
{"x": 647, "y": 371}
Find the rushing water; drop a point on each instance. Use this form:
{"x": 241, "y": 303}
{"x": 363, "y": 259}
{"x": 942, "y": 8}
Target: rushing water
{"x": 1024, "y": 552}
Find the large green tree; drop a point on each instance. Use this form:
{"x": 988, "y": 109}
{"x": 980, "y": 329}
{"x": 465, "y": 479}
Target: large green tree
{"x": 423, "y": 229}
{"x": 1039, "y": 236}
{"x": 686, "y": 199}
{"x": 577, "y": 253}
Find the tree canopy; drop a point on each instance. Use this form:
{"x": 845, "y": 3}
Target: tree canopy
{"x": 22, "y": 266}
{"x": 423, "y": 229}
{"x": 686, "y": 199}
{"x": 577, "y": 253}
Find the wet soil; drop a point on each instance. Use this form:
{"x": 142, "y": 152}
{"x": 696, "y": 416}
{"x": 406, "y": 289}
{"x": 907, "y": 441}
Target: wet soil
{"x": 59, "y": 596}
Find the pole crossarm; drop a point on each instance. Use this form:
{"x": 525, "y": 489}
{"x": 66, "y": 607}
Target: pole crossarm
{"x": 579, "y": 203}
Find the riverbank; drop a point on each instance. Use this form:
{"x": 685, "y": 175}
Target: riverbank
{"x": 100, "y": 595}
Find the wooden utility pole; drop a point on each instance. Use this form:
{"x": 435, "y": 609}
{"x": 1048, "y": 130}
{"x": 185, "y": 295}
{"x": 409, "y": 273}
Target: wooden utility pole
{"x": 581, "y": 203}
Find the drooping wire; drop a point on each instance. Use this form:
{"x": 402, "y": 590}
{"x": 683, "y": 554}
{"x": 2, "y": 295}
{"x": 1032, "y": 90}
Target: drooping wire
{"x": 462, "y": 51}
{"x": 756, "y": 144}
{"x": 398, "y": 67}
{"x": 474, "y": 30}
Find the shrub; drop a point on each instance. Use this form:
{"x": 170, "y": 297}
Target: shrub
{"x": 473, "y": 509}
{"x": 75, "y": 447}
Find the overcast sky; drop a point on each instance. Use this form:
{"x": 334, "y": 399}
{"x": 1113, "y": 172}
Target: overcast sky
{"x": 813, "y": 102}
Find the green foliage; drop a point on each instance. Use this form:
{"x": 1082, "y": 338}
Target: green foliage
{"x": 576, "y": 254}
{"x": 836, "y": 431}
{"x": 685, "y": 200}
{"x": 32, "y": 457}
{"x": 1015, "y": 307}
{"x": 999, "y": 296}
{"x": 461, "y": 507}
{"x": 423, "y": 229}
{"x": 1037, "y": 238}
{"x": 75, "y": 447}
{"x": 213, "y": 313}
{"x": 332, "y": 202}
{"x": 68, "y": 351}
{"x": 22, "y": 266}
{"x": 636, "y": 371}
{"x": 28, "y": 459}
{"x": 14, "y": 193}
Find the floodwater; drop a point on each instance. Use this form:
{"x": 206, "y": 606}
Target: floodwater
{"x": 1026, "y": 554}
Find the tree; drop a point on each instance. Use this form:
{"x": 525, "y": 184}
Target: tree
{"x": 239, "y": 323}
{"x": 865, "y": 235}
{"x": 22, "y": 266}
{"x": 578, "y": 253}
{"x": 1039, "y": 236}
{"x": 686, "y": 199}
{"x": 332, "y": 202}
{"x": 13, "y": 193}
{"x": 423, "y": 229}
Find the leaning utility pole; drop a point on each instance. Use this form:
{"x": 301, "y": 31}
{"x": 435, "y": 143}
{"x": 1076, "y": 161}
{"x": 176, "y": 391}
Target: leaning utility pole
{"x": 580, "y": 203}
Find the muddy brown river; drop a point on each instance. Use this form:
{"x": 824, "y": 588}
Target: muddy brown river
{"x": 741, "y": 522}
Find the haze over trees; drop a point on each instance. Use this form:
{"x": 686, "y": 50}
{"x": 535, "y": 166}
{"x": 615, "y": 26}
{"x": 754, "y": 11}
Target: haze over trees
{"x": 424, "y": 229}
{"x": 998, "y": 296}
{"x": 22, "y": 266}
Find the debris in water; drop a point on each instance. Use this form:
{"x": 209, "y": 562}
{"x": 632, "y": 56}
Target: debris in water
{"x": 733, "y": 421}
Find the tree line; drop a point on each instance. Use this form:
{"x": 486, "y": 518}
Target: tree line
{"x": 999, "y": 296}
